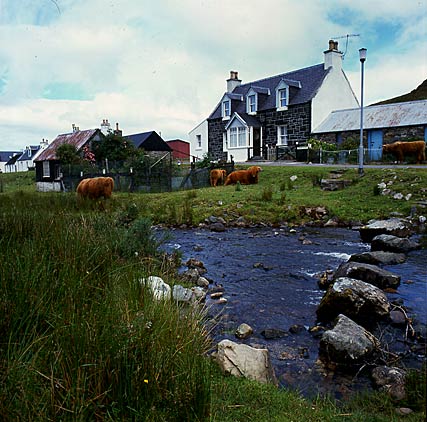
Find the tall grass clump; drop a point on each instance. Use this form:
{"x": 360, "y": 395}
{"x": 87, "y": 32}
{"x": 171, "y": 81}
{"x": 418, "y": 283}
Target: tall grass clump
{"x": 81, "y": 337}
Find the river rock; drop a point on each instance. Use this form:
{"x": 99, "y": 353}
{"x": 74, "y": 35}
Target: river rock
{"x": 379, "y": 258}
{"x": 391, "y": 380}
{"x": 242, "y": 360}
{"x": 182, "y": 294}
{"x": 386, "y": 242}
{"x": 159, "y": 289}
{"x": 369, "y": 274}
{"x": 392, "y": 226}
{"x": 272, "y": 333}
{"x": 198, "y": 265}
{"x": 217, "y": 227}
{"x": 244, "y": 331}
{"x": 360, "y": 301}
{"x": 397, "y": 318}
{"x": 347, "y": 343}
{"x": 191, "y": 275}
{"x": 202, "y": 282}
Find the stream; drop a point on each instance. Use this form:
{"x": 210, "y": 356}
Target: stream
{"x": 270, "y": 281}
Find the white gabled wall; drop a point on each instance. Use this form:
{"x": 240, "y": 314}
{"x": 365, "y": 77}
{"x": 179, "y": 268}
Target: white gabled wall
{"x": 202, "y": 130}
{"x": 334, "y": 94}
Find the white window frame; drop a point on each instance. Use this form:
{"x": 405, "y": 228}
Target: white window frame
{"x": 282, "y": 102}
{"x": 198, "y": 141}
{"x": 282, "y": 135}
{"x": 251, "y": 103}
{"x": 238, "y": 137}
{"x": 46, "y": 169}
{"x": 226, "y": 109}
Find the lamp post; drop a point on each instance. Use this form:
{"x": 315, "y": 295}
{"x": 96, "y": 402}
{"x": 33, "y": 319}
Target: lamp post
{"x": 362, "y": 57}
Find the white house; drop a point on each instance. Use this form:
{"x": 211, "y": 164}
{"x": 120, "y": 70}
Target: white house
{"x": 198, "y": 138}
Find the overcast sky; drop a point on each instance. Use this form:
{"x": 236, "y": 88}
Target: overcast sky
{"x": 162, "y": 65}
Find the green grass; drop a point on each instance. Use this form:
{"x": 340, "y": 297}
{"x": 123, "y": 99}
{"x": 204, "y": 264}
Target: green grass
{"x": 82, "y": 339}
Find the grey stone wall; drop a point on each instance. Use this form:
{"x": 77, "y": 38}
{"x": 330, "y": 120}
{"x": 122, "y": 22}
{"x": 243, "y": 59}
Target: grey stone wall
{"x": 406, "y": 133}
{"x": 297, "y": 119}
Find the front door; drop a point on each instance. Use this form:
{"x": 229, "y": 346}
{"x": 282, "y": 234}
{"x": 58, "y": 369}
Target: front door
{"x": 375, "y": 144}
{"x": 257, "y": 142}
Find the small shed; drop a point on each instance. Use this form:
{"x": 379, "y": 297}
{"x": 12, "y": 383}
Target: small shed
{"x": 180, "y": 149}
{"x": 48, "y": 167}
{"x": 149, "y": 141}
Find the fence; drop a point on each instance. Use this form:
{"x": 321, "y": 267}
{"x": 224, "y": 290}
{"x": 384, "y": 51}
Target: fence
{"x": 154, "y": 178}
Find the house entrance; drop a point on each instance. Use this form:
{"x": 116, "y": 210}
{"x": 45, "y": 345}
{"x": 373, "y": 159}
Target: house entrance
{"x": 257, "y": 142}
{"x": 375, "y": 144}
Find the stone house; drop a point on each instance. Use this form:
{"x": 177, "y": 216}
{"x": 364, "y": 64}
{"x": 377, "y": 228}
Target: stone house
{"x": 382, "y": 124}
{"x": 254, "y": 118}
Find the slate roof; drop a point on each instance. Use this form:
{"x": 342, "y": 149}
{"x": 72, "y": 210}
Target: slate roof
{"x": 247, "y": 118}
{"x": 78, "y": 138}
{"x": 411, "y": 113}
{"x": 12, "y": 160}
{"x": 149, "y": 141}
{"x": 309, "y": 78}
{"x": 28, "y": 154}
{"x": 5, "y": 156}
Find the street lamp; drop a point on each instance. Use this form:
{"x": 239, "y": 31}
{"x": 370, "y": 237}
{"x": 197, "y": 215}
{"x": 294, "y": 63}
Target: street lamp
{"x": 362, "y": 57}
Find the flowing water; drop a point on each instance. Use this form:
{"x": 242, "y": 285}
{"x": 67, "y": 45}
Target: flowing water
{"x": 270, "y": 282}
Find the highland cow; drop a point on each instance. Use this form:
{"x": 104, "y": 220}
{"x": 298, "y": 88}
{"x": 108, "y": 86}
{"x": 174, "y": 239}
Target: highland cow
{"x": 95, "y": 188}
{"x": 402, "y": 149}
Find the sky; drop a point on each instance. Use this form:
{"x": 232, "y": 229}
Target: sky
{"x": 162, "y": 65}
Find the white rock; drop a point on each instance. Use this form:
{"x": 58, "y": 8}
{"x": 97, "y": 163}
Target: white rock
{"x": 160, "y": 289}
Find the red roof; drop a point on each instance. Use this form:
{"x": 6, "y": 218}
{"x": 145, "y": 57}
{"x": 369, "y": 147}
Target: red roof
{"x": 78, "y": 138}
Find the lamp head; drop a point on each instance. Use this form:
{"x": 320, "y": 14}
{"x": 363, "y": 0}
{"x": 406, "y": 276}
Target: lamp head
{"x": 362, "y": 54}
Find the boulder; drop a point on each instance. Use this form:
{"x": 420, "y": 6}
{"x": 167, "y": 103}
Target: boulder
{"x": 159, "y": 289}
{"x": 244, "y": 331}
{"x": 356, "y": 299}
{"x": 390, "y": 243}
{"x": 347, "y": 343}
{"x": 391, "y": 380}
{"x": 369, "y": 274}
{"x": 242, "y": 360}
{"x": 392, "y": 226}
{"x": 379, "y": 258}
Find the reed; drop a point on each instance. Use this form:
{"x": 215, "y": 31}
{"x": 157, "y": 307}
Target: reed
{"x": 80, "y": 336}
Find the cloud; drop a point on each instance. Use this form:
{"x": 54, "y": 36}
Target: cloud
{"x": 163, "y": 65}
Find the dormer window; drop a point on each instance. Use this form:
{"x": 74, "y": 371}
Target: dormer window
{"x": 251, "y": 104}
{"x": 283, "y": 98}
{"x": 226, "y": 109}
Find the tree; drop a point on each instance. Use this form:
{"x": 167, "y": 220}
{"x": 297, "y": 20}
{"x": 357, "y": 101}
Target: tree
{"x": 113, "y": 147}
{"x": 67, "y": 154}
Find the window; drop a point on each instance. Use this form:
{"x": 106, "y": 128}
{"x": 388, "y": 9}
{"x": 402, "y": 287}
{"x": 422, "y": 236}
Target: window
{"x": 233, "y": 137}
{"x": 237, "y": 137}
{"x": 282, "y": 135}
{"x": 283, "y": 97}
{"x": 242, "y": 136}
{"x": 199, "y": 141}
{"x": 252, "y": 103}
{"x": 226, "y": 109}
{"x": 46, "y": 169}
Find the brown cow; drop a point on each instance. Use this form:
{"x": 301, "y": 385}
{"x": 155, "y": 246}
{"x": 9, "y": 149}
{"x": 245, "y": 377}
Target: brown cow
{"x": 245, "y": 177}
{"x": 217, "y": 175}
{"x": 95, "y": 188}
{"x": 400, "y": 149}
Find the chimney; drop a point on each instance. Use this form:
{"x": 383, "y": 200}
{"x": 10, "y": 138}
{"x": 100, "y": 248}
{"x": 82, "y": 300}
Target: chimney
{"x": 234, "y": 81}
{"x": 333, "y": 57}
{"x": 75, "y": 128}
{"x": 105, "y": 127}
{"x": 118, "y": 131}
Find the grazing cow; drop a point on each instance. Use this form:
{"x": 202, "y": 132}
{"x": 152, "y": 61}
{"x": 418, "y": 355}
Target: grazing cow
{"x": 95, "y": 188}
{"x": 245, "y": 177}
{"x": 217, "y": 175}
{"x": 400, "y": 149}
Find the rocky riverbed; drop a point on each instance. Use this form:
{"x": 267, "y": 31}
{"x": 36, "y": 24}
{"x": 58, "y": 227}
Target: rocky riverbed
{"x": 269, "y": 279}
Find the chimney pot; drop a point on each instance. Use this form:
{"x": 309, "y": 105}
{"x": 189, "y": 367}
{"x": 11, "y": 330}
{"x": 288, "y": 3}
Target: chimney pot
{"x": 331, "y": 44}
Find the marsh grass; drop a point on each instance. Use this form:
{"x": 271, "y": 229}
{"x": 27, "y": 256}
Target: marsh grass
{"x": 81, "y": 337}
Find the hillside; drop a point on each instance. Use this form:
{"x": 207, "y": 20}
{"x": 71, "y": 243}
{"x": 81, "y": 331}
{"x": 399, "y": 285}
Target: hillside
{"x": 419, "y": 93}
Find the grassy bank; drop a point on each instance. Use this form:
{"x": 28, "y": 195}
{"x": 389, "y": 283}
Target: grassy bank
{"x": 81, "y": 337}
{"x": 277, "y": 199}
